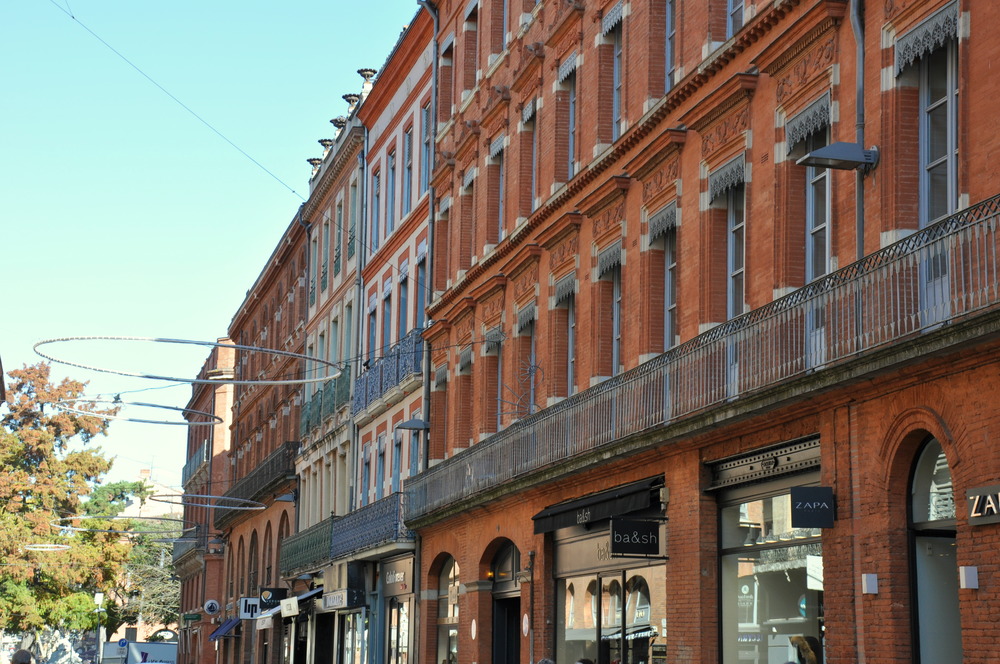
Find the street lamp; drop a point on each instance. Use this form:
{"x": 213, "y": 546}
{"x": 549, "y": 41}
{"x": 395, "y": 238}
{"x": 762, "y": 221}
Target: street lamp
{"x": 98, "y": 600}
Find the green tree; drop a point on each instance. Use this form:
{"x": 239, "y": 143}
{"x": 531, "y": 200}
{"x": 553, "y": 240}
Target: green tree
{"x": 49, "y": 467}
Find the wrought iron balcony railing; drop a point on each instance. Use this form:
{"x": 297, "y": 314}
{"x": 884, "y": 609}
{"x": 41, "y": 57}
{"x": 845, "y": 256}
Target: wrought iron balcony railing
{"x": 944, "y": 273}
{"x": 334, "y": 395}
{"x": 404, "y": 359}
{"x": 306, "y": 550}
{"x": 373, "y": 525}
{"x": 275, "y": 470}
{"x": 197, "y": 460}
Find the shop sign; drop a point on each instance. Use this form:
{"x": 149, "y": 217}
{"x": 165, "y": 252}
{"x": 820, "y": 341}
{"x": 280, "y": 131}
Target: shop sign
{"x": 397, "y": 577}
{"x": 192, "y": 616}
{"x": 342, "y": 599}
{"x": 812, "y": 507}
{"x": 984, "y": 505}
{"x": 249, "y": 608}
{"x": 271, "y": 597}
{"x": 631, "y": 537}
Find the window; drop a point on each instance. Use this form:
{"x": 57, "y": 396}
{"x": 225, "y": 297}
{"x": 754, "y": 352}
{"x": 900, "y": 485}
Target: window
{"x": 563, "y": 337}
{"x": 426, "y": 145}
{"x": 397, "y": 460}
{"x": 446, "y": 89}
{"x": 447, "y": 616}
{"x": 398, "y": 629}
{"x": 421, "y": 287}
{"x": 671, "y": 334}
{"x": 734, "y": 17}
{"x": 616, "y": 82}
{"x": 570, "y": 84}
{"x": 352, "y": 229}
{"x": 376, "y": 205}
{"x": 366, "y": 473}
{"x": 470, "y": 69}
{"x": 324, "y": 275}
{"x": 771, "y": 570}
{"x": 735, "y": 221}
{"x": 533, "y": 190}
{"x": 339, "y": 238}
{"x": 415, "y": 448}
{"x": 616, "y": 320}
{"x": 939, "y": 133}
{"x": 348, "y": 330}
{"x": 817, "y": 212}
{"x": 380, "y": 468}
{"x": 390, "y": 194}
{"x": 497, "y": 191}
{"x": 407, "y": 171}
{"x": 372, "y": 334}
{"x": 934, "y": 556}
{"x": 313, "y": 269}
{"x": 386, "y": 322}
{"x": 529, "y": 367}
{"x": 402, "y": 311}
{"x": 571, "y": 345}
{"x": 335, "y": 351}
{"x": 670, "y": 55}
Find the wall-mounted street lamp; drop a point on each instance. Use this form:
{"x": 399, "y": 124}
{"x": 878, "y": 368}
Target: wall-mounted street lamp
{"x": 843, "y": 156}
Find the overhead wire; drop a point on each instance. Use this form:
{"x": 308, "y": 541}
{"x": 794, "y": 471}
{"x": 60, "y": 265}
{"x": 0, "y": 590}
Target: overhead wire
{"x": 180, "y": 103}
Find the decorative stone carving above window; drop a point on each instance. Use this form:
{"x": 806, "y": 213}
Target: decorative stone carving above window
{"x": 814, "y": 117}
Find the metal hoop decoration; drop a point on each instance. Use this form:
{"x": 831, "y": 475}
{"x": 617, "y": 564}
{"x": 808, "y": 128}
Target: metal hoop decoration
{"x": 61, "y": 405}
{"x": 208, "y": 501}
{"x": 62, "y": 524}
{"x": 46, "y": 547}
{"x": 330, "y": 375}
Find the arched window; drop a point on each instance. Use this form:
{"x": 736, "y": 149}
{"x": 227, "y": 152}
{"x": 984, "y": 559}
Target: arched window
{"x": 935, "y": 568}
{"x": 448, "y": 585}
{"x": 506, "y": 605}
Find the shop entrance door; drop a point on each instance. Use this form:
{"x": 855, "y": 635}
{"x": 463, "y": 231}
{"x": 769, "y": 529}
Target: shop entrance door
{"x": 506, "y": 630}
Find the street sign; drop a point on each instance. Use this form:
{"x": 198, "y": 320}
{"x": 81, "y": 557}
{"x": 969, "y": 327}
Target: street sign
{"x": 212, "y": 607}
{"x": 249, "y": 608}
{"x": 122, "y": 643}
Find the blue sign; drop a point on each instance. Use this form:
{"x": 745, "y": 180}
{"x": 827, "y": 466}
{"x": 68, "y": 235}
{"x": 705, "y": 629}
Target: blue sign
{"x": 122, "y": 643}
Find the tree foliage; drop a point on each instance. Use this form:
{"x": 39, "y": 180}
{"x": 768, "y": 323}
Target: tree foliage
{"x": 50, "y": 470}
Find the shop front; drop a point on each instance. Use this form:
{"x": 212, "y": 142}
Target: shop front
{"x": 609, "y": 567}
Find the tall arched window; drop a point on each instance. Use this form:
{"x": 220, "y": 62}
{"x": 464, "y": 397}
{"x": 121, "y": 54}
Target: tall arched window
{"x": 448, "y": 584}
{"x": 935, "y": 568}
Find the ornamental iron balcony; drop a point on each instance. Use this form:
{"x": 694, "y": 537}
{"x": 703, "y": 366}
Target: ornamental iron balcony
{"x": 402, "y": 361}
{"x": 277, "y": 469}
{"x": 195, "y": 462}
{"x": 945, "y": 273}
{"x": 371, "y": 526}
{"x": 306, "y": 550}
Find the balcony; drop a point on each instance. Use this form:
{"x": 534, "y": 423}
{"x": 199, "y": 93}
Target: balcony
{"x": 374, "y": 525}
{"x": 367, "y": 528}
{"x": 275, "y": 470}
{"x": 931, "y": 289}
{"x": 195, "y": 463}
{"x": 306, "y": 550}
{"x": 328, "y": 400}
{"x": 403, "y": 362}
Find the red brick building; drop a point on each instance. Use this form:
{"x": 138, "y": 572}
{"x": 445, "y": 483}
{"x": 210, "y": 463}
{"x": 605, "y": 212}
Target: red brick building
{"x": 663, "y": 308}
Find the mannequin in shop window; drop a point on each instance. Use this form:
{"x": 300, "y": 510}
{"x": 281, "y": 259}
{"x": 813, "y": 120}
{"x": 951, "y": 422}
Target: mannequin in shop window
{"x": 807, "y": 649}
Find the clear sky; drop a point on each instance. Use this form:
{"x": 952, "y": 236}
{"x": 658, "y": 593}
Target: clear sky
{"x": 122, "y": 214}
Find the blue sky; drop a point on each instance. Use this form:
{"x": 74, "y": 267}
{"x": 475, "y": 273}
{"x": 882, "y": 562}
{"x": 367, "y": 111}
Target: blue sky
{"x": 121, "y": 214}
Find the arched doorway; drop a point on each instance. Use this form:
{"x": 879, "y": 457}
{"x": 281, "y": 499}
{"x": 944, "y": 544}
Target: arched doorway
{"x": 934, "y": 566}
{"x": 506, "y": 605}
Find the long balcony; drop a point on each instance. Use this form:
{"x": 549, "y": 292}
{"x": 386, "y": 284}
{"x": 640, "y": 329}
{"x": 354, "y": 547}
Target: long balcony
{"x": 373, "y": 527}
{"x": 275, "y": 470}
{"x": 196, "y": 462}
{"x": 307, "y": 550}
{"x": 403, "y": 363}
{"x": 334, "y": 395}
{"x": 935, "y": 288}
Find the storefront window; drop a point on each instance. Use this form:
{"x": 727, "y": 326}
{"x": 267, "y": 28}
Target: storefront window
{"x": 448, "y": 614}
{"x": 624, "y": 624}
{"x": 355, "y": 632}
{"x": 399, "y": 631}
{"x": 772, "y": 585}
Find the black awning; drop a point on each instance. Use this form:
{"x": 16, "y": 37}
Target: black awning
{"x": 224, "y": 629}
{"x": 621, "y": 500}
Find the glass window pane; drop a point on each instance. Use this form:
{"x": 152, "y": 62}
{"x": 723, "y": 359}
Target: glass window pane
{"x": 937, "y": 194}
{"x": 937, "y": 76}
{"x": 576, "y": 624}
{"x": 937, "y": 132}
{"x": 933, "y": 497}
{"x": 772, "y": 605}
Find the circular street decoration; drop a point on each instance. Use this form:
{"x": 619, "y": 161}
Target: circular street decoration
{"x": 46, "y": 547}
{"x": 64, "y": 523}
{"x": 210, "y": 419}
{"x": 332, "y": 368}
{"x": 208, "y": 501}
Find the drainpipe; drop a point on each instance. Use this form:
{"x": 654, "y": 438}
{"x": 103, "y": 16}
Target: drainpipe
{"x": 859, "y": 122}
{"x": 362, "y": 254}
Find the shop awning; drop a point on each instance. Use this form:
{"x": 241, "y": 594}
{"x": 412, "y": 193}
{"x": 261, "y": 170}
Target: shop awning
{"x": 224, "y": 629}
{"x": 621, "y": 500}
